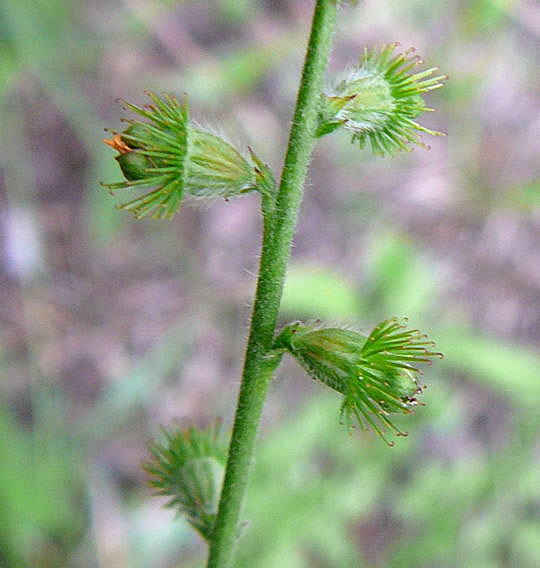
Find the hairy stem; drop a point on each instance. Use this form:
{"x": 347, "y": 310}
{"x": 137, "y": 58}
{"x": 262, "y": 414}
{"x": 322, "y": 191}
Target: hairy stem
{"x": 277, "y": 238}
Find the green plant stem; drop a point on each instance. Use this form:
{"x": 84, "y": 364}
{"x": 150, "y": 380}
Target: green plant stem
{"x": 277, "y": 238}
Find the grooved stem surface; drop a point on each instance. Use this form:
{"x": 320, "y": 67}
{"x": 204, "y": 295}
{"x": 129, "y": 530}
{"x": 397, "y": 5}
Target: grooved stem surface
{"x": 277, "y": 239}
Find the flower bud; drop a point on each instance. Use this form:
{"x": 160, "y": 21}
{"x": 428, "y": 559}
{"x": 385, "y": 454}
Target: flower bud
{"x": 379, "y": 99}
{"x": 189, "y": 467}
{"x": 134, "y": 164}
{"x": 376, "y": 374}
{"x": 167, "y": 156}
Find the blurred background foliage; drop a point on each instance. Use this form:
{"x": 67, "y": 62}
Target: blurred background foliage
{"x": 111, "y": 327}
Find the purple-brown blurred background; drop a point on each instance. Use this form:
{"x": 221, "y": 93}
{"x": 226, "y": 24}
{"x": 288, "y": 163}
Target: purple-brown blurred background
{"x": 111, "y": 326}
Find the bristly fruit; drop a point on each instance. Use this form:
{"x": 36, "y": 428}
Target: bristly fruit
{"x": 379, "y": 100}
{"x": 167, "y": 156}
{"x": 376, "y": 374}
{"x": 188, "y": 467}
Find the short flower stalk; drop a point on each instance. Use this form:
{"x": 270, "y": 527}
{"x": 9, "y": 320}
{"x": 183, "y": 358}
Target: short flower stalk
{"x": 164, "y": 160}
